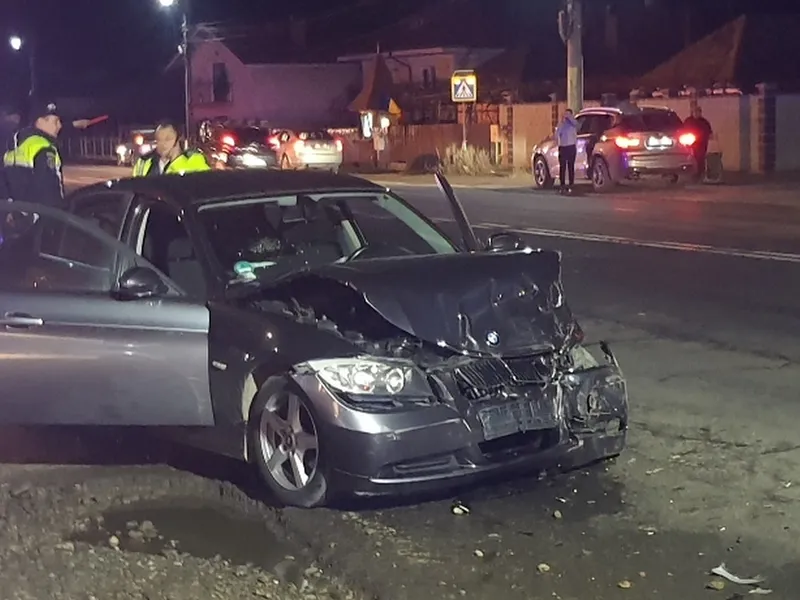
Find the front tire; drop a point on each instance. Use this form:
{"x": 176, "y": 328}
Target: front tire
{"x": 285, "y": 445}
{"x": 541, "y": 174}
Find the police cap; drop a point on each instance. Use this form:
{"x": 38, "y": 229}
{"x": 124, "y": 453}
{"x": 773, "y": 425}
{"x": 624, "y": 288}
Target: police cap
{"x": 41, "y": 109}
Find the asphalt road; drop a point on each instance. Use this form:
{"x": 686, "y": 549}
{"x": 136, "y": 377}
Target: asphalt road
{"x": 696, "y": 290}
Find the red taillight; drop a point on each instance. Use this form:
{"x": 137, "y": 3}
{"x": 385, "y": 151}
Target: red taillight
{"x": 687, "y": 139}
{"x": 299, "y": 145}
{"x": 228, "y": 140}
{"x": 626, "y": 142}
{"x": 339, "y": 145}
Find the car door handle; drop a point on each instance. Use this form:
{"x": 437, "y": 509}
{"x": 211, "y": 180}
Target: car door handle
{"x": 22, "y": 320}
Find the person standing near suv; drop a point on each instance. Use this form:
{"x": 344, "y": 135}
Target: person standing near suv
{"x": 701, "y": 128}
{"x": 567, "y": 140}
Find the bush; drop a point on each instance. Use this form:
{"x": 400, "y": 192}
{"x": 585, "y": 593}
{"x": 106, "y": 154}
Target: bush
{"x": 466, "y": 161}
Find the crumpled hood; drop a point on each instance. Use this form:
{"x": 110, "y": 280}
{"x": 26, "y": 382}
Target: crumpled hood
{"x": 496, "y": 303}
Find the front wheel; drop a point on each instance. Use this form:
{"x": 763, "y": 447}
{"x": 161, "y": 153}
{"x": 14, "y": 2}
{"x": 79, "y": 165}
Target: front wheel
{"x": 541, "y": 174}
{"x": 285, "y": 445}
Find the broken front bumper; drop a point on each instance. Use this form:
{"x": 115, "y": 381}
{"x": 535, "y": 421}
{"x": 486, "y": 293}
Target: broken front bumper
{"x": 442, "y": 446}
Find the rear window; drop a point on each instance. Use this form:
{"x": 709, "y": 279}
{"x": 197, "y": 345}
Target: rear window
{"x": 656, "y": 120}
{"x": 319, "y": 136}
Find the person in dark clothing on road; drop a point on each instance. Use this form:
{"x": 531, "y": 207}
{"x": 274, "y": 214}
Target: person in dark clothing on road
{"x": 32, "y": 167}
{"x": 567, "y": 140}
{"x": 701, "y": 128}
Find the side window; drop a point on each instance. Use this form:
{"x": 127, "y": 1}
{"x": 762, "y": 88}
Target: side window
{"x": 68, "y": 242}
{"x": 48, "y": 253}
{"x": 165, "y": 242}
{"x": 107, "y": 211}
{"x": 603, "y": 123}
{"x": 586, "y": 124}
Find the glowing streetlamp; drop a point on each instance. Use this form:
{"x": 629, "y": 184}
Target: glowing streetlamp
{"x": 184, "y": 50}
{"x": 17, "y": 44}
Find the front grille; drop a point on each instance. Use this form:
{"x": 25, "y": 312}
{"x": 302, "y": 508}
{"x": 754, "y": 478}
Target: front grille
{"x": 486, "y": 376}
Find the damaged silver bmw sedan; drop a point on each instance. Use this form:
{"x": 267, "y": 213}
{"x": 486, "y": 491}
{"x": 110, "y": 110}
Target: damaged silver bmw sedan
{"x": 315, "y": 325}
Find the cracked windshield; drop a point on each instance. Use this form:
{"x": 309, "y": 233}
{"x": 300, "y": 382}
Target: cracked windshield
{"x": 370, "y": 300}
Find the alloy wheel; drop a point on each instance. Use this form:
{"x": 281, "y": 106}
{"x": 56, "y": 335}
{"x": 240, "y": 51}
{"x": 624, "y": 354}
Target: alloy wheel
{"x": 539, "y": 173}
{"x": 289, "y": 442}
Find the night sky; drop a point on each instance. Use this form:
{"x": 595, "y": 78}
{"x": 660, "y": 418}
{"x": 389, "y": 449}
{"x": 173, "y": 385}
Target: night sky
{"x": 98, "y": 43}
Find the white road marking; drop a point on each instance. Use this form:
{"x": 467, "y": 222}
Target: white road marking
{"x": 787, "y": 257}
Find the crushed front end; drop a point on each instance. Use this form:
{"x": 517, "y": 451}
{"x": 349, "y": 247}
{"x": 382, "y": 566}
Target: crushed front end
{"x": 481, "y": 416}
{"x": 455, "y": 368}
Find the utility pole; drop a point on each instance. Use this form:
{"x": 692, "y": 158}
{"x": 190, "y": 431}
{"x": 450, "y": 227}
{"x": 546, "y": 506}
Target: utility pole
{"x": 570, "y": 27}
{"x": 187, "y": 76}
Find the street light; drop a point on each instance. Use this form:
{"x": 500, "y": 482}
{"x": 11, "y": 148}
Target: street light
{"x": 17, "y": 44}
{"x": 184, "y": 50}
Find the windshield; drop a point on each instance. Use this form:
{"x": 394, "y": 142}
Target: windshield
{"x": 652, "y": 120}
{"x": 266, "y": 238}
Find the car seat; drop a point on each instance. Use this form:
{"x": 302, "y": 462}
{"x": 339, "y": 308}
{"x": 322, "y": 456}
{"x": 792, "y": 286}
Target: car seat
{"x": 184, "y": 268}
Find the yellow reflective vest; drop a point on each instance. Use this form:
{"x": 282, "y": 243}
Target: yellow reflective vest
{"x": 24, "y": 181}
{"x": 187, "y": 162}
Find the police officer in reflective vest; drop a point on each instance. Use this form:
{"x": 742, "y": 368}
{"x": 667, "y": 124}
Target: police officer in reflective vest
{"x": 32, "y": 166}
{"x": 169, "y": 158}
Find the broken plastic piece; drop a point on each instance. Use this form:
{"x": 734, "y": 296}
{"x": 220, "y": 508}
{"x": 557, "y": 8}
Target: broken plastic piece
{"x": 723, "y": 572}
{"x": 458, "y": 508}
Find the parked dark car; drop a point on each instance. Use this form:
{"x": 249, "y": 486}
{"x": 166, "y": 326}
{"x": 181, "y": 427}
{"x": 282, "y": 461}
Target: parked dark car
{"x": 239, "y": 148}
{"x": 315, "y": 325}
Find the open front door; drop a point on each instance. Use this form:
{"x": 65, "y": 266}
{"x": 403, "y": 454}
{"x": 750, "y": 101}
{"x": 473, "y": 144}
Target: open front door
{"x": 471, "y": 243}
{"x": 73, "y": 354}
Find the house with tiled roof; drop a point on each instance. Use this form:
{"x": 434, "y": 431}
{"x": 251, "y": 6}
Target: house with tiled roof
{"x": 745, "y": 52}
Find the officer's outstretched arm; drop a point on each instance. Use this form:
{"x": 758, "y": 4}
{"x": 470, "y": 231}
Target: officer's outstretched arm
{"x": 47, "y": 187}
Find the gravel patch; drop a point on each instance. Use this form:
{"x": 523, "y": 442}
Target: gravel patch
{"x": 61, "y": 538}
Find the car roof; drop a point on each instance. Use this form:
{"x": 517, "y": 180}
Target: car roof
{"x": 195, "y": 189}
{"x": 627, "y": 110}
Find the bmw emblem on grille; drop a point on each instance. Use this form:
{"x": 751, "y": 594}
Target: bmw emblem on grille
{"x": 492, "y": 338}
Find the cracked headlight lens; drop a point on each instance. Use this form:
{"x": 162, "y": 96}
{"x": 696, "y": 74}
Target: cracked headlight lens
{"x": 373, "y": 377}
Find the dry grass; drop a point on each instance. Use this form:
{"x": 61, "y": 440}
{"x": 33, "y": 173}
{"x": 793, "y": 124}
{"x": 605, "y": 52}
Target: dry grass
{"x": 466, "y": 161}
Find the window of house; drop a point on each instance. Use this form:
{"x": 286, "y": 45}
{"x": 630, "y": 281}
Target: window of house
{"x": 221, "y": 85}
{"x": 429, "y": 77}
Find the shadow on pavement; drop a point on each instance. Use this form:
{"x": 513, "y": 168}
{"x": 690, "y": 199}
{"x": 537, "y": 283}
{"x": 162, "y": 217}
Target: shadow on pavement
{"x": 119, "y": 447}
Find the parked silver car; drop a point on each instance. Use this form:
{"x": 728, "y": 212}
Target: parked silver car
{"x": 616, "y": 144}
{"x": 307, "y": 149}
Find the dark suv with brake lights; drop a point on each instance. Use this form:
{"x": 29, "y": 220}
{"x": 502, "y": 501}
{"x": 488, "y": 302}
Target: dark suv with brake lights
{"x": 617, "y": 144}
{"x": 240, "y": 148}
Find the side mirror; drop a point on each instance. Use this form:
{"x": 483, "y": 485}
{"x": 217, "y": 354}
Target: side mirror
{"x": 504, "y": 241}
{"x": 138, "y": 283}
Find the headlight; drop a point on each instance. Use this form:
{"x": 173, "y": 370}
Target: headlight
{"x": 145, "y": 148}
{"x": 373, "y": 378}
{"x": 122, "y": 150}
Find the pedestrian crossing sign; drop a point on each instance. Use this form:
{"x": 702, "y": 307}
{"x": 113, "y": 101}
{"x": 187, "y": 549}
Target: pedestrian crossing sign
{"x": 464, "y": 86}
